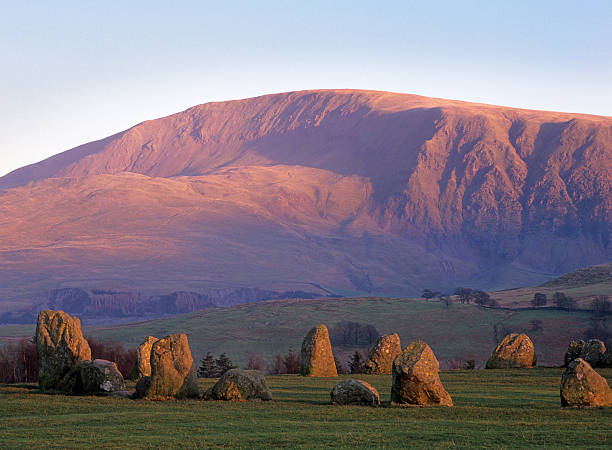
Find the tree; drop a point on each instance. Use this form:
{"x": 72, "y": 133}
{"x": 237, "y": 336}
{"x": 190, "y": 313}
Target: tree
{"x": 564, "y": 301}
{"x": 276, "y": 365}
{"x": 353, "y": 334}
{"x": 339, "y": 367}
{"x": 539, "y": 299}
{"x": 208, "y": 368}
{"x": 254, "y": 361}
{"x": 602, "y": 305}
{"x": 291, "y": 362}
{"x": 223, "y": 364}
{"x": 428, "y": 294}
{"x": 465, "y": 294}
{"x": 481, "y": 298}
{"x": 356, "y": 362}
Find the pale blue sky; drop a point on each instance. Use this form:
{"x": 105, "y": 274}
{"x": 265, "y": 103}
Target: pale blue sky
{"x": 77, "y": 71}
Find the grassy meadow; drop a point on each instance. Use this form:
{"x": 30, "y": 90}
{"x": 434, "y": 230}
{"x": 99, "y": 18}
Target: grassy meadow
{"x": 498, "y": 408}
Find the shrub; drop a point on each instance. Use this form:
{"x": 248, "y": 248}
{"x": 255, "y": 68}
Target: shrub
{"x": 19, "y": 362}
{"x": 115, "y": 352}
{"x": 291, "y": 362}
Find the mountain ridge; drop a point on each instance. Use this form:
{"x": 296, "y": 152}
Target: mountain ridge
{"x": 355, "y": 191}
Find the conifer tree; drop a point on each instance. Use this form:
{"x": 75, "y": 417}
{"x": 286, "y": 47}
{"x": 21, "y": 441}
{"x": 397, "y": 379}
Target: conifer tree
{"x": 223, "y": 364}
{"x": 207, "y": 367}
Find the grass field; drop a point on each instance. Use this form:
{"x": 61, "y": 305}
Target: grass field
{"x": 457, "y": 331}
{"x": 499, "y": 409}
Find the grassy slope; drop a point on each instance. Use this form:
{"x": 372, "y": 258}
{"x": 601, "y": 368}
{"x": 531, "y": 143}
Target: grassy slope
{"x": 459, "y": 331}
{"x": 582, "y": 284}
{"x": 516, "y": 408}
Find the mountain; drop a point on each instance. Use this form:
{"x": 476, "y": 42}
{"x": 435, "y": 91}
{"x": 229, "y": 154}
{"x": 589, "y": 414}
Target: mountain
{"x": 331, "y": 192}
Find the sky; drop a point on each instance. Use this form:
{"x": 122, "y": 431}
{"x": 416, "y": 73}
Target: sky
{"x": 77, "y": 71}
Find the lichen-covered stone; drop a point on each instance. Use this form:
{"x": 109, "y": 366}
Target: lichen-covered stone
{"x": 582, "y": 386}
{"x": 60, "y": 345}
{"x": 594, "y": 352}
{"x": 316, "y": 357}
{"x": 142, "y": 365}
{"x": 415, "y": 378}
{"x": 354, "y": 392}
{"x": 515, "y": 350}
{"x": 239, "y": 386}
{"x": 574, "y": 350}
{"x": 383, "y": 352}
{"x": 93, "y": 377}
{"x": 173, "y": 372}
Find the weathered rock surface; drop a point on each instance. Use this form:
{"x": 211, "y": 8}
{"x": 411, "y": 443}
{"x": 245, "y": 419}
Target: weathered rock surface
{"x": 354, "y": 392}
{"x": 173, "y": 373}
{"x": 93, "y": 377}
{"x": 381, "y": 356}
{"x": 582, "y": 386}
{"x": 416, "y": 380}
{"x": 594, "y": 353}
{"x": 515, "y": 350}
{"x": 316, "y": 357}
{"x": 60, "y": 345}
{"x": 574, "y": 350}
{"x": 240, "y": 385}
{"x": 142, "y": 365}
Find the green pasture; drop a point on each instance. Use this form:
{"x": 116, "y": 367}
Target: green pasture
{"x": 517, "y": 408}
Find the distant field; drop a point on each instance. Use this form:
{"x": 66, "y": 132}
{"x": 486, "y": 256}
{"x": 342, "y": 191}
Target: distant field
{"x": 502, "y": 408}
{"x": 457, "y": 331}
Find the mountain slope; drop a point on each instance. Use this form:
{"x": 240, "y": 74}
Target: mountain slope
{"x": 340, "y": 191}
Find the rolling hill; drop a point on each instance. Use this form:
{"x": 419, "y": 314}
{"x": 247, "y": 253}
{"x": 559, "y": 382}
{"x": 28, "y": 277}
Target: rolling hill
{"x": 331, "y": 192}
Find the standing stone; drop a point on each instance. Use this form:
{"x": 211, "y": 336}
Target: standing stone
{"x": 93, "y": 377}
{"x": 316, "y": 358}
{"x": 60, "y": 345}
{"x": 382, "y": 354}
{"x": 239, "y": 386}
{"x": 416, "y": 380}
{"x": 574, "y": 350}
{"x": 582, "y": 386}
{"x": 173, "y": 372}
{"x": 142, "y": 365}
{"x": 594, "y": 353}
{"x": 354, "y": 392}
{"x": 515, "y": 350}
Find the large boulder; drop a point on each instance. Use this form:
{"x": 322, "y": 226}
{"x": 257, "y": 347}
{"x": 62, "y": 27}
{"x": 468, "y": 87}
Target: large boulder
{"x": 416, "y": 380}
{"x": 381, "y": 356}
{"x": 173, "y": 372}
{"x": 354, "y": 392}
{"x": 142, "y": 365}
{"x": 239, "y": 386}
{"x": 93, "y": 377}
{"x": 60, "y": 345}
{"x": 594, "y": 353}
{"x": 316, "y": 357}
{"x": 574, "y": 350}
{"x": 515, "y": 350}
{"x": 582, "y": 386}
